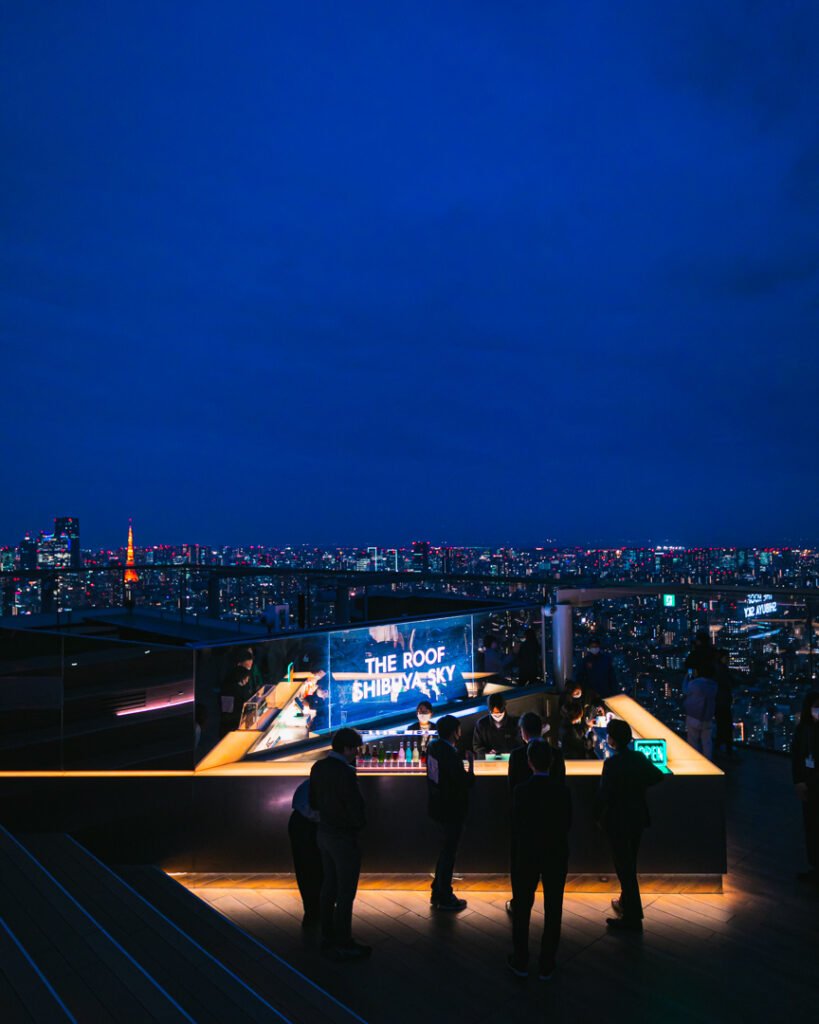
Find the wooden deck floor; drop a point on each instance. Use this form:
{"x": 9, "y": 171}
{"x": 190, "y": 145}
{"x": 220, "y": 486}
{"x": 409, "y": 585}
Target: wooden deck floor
{"x": 748, "y": 954}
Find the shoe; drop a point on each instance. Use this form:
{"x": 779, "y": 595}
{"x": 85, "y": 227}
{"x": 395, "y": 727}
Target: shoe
{"x": 516, "y": 967}
{"x": 509, "y": 908}
{"x": 545, "y": 972}
{"x": 352, "y": 951}
{"x": 808, "y": 876}
{"x": 617, "y": 907}
{"x": 452, "y": 903}
{"x": 622, "y": 924}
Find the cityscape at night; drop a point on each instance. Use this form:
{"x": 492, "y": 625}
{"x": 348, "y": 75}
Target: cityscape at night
{"x": 409, "y": 554}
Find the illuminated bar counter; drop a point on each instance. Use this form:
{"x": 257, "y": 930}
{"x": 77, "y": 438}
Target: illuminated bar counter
{"x": 231, "y": 813}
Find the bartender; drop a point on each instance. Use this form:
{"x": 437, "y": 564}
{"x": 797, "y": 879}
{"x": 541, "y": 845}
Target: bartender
{"x": 423, "y": 719}
{"x": 497, "y": 732}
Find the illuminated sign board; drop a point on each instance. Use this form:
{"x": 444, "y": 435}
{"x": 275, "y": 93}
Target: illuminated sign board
{"x": 759, "y": 604}
{"x": 669, "y": 600}
{"x": 654, "y": 750}
{"x": 380, "y": 670}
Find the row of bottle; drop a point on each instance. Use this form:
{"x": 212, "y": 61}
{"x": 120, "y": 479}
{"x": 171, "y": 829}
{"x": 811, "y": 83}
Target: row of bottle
{"x": 404, "y": 756}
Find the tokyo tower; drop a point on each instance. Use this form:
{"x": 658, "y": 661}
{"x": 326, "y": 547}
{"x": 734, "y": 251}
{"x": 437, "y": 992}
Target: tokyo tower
{"x": 130, "y": 572}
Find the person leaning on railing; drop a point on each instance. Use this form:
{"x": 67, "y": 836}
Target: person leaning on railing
{"x": 805, "y": 768}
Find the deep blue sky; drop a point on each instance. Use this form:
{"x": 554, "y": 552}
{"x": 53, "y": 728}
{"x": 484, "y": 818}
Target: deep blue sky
{"x": 479, "y": 272}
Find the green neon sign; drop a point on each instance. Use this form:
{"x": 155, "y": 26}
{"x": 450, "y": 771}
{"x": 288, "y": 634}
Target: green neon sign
{"x": 654, "y": 750}
{"x": 669, "y": 600}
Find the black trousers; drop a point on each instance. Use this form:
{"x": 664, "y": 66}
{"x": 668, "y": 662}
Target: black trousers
{"x": 450, "y": 833}
{"x": 525, "y": 879}
{"x": 341, "y": 864}
{"x": 810, "y": 816}
{"x": 306, "y": 861}
{"x": 624, "y": 839}
{"x": 725, "y": 729}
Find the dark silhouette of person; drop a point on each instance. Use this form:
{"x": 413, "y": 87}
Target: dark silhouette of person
{"x": 494, "y": 660}
{"x": 723, "y": 718}
{"x": 573, "y": 732}
{"x": 702, "y": 657}
{"x": 497, "y": 732}
{"x": 235, "y": 690}
{"x": 302, "y": 830}
{"x": 805, "y": 773}
{"x": 622, "y": 813}
{"x": 334, "y": 793}
{"x": 448, "y": 785}
{"x": 596, "y": 671}
{"x": 531, "y": 728}
{"x": 541, "y": 818}
{"x": 530, "y": 667}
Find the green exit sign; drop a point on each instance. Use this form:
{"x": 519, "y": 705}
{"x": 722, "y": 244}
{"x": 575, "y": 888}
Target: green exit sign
{"x": 669, "y": 600}
{"x": 654, "y": 750}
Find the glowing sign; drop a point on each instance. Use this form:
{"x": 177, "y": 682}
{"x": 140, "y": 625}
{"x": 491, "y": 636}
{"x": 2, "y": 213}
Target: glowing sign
{"x": 759, "y": 604}
{"x": 669, "y": 600}
{"x": 654, "y": 750}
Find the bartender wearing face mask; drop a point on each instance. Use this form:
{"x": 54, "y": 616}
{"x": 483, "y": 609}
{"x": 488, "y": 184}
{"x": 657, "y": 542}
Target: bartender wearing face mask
{"x": 497, "y": 732}
{"x": 423, "y": 718}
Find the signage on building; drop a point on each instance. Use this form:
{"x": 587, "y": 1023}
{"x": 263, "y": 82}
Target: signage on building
{"x": 758, "y": 604}
{"x": 669, "y": 600}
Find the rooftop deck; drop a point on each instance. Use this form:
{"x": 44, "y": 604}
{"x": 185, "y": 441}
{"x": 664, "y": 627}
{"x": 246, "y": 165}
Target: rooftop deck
{"x": 748, "y": 954}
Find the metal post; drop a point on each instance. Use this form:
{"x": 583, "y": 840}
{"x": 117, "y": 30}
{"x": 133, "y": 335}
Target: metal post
{"x": 544, "y": 611}
{"x": 562, "y": 642}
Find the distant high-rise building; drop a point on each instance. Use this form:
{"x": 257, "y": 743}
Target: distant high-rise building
{"x": 28, "y": 552}
{"x": 130, "y": 573}
{"x": 68, "y": 527}
{"x": 53, "y": 552}
{"x": 420, "y": 555}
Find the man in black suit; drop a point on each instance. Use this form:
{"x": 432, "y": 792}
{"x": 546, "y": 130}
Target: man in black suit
{"x": 541, "y": 816}
{"x": 448, "y": 784}
{"x": 622, "y": 812}
{"x": 334, "y": 793}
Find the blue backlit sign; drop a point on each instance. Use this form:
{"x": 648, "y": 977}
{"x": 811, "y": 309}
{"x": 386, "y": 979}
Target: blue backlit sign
{"x": 379, "y": 670}
{"x": 654, "y": 750}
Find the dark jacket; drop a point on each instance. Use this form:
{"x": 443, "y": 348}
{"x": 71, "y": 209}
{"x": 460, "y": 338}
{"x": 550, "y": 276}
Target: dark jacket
{"x": 804, "y": 746}
{"x": 501, "y": 738}
{"x": 703, "y": 659}
{"x": 725, "y": 682}
{"x": 573, "y": 743}
{"x": 334, "y": 793}
{"x": 621, "y": 801}
{"x": 530, "y": 665}
{"x": 448, "y": 783}
{"x": 597, "y": 674}
{"x": 541, "y": 818}
{"x": 519, "y": 770}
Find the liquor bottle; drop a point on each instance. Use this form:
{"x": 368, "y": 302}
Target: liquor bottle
{"x": 359, "y": 757}
{"x": 401, "y": 760}
{"x": 381, "y": 753}
{"x": 365, "y": 761}
{"x": 416, "y": 757}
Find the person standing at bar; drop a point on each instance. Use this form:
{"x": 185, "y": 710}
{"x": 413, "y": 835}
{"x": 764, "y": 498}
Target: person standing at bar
{"x": 596, "y": 672}
{"x": 622, "y": 813}
{"x": 448, "y": 784}
{"x": 334, "y": 793}
{"x": 541, "y": 817}
{"x": 302, "y": 829}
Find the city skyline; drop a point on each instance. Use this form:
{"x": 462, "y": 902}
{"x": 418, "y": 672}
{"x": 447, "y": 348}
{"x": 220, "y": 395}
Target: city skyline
{"x": 476, "y": 273}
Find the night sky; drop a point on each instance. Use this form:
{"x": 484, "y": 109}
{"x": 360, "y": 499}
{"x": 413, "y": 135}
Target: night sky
{"x": 479, "y": 272}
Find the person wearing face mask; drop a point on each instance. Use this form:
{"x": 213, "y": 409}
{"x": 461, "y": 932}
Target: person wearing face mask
{"x": 423, "y": 718}
{"x": 622, "y": 813}
{"x": 497, "y": 732}
{"x": 597, "y": 672}
{"x": 805, "y": 772}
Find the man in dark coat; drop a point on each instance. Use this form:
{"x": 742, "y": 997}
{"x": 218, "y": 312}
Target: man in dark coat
{"x": 448, "y": 784}
{"x": 597, "y": 672}
{"x": 334, "y": 793}
{"x": 497, "y": 732}
{"x": 541, "y": 817}
{"x": 622, "y": 812}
